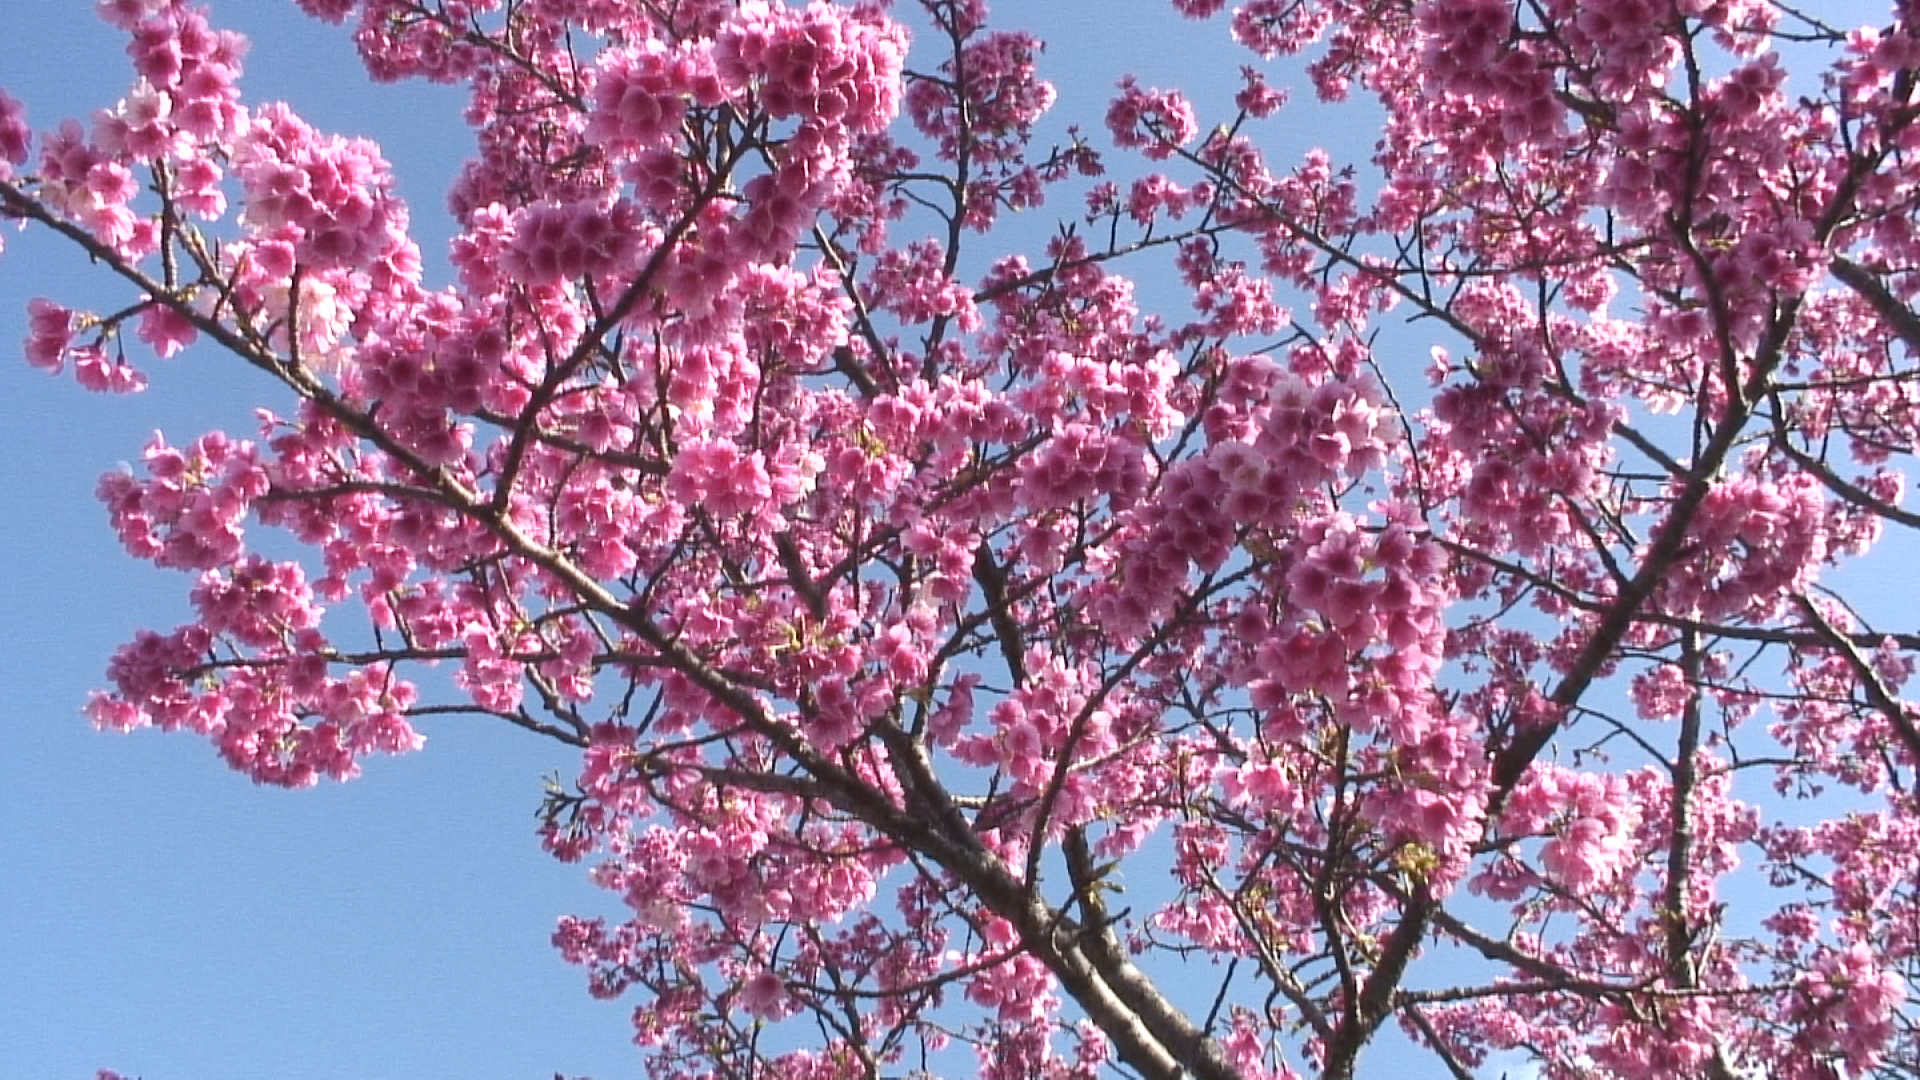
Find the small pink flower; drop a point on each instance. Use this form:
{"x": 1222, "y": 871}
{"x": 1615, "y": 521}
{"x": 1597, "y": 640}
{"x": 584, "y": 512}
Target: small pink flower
{"x": 16, "y": 138}
{"x": 165, "y": 329}
{"x": 764, "y": 995}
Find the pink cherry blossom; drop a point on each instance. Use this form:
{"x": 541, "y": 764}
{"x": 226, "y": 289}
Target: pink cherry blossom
{"x": 1444, "y": 608}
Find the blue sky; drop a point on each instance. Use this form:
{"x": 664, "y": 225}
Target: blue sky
{"x": 159, "y": 914}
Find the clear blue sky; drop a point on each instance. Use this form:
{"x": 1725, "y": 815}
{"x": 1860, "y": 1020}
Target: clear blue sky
{"x": 158, "y": 914}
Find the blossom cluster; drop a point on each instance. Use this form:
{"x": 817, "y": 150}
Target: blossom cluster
{"x": 901, "y": 597}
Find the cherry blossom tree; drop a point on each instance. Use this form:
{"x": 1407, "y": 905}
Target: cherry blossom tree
{"x": 915, "y": 603}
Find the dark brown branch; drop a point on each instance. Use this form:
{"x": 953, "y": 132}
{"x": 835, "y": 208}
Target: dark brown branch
{"x": 1900, "y": 318}
{"x": 1882, "y": 699}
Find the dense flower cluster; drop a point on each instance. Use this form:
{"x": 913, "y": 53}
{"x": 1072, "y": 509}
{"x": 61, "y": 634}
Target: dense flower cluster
{"x": 955, "y": 652}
